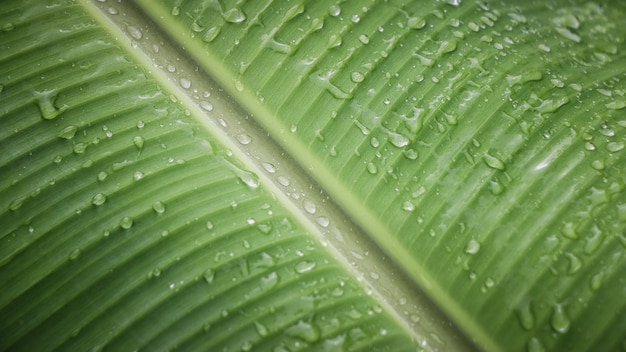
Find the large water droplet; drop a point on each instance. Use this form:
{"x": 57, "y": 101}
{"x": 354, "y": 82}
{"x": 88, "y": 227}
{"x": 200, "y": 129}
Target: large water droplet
{"x": 261, "y": 329}
{"x": 209, "y": 276}
{"x": 559, "y": 320}
{"x": 472, "y": 247}
{"x": 494, "y": 162}
{"x": 45, "y": 100}
{"x": 526, "y": 317}
{"x": 158, "y": 207}
{"x": 126, "y": 222}
{"x": 305, "y": 331}
{"x": 98, "y": 199}
{"x": 68, "y": 132}
{"x": 304, "y": 266}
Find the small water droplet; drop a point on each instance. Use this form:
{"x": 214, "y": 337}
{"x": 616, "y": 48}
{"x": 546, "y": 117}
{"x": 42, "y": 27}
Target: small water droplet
{"x": 305, "y": 331}
{"x": 408, "y": 206}
{"x": 102, "y": 175}
{"x": 138, "y": 175}
{"x": 411, "y": 154}
{"x": 138, "y": 141}
{"x": 16, "y": 203}
{"x": 526, "y": 316}
{"x": 416, "y": 22}
{"x": 185, "y": 83}
{"x": 98, "y": 199}
{"x": 68, "y": 132}
{"x": 494, "y": 162}
{"x": 209, "y": 276}
{"x": 134, "y": 32}
{"x": 534, "y": 345}
{"x": 569, "y": 230}
{"x": 357, "y": 77}
{"x": 126, "y": 222}
{"x": 615, "y": 146}
{"x": 334, "y": 10}
{"x": 398, "y": 140}
{"x": 304, "y": 266}
{"x": 175, "y": 11}
{"x": 244, "y": 139}
{"x": 596, "y": 281}
{"x": 269, "y": 281}
{"x": 209, "y": 225}
{"x": 372, "y": 168}
{"x": 574, "y": 263}
{"x": 206, "y": 105}
{"x": 598, "y": 164}
{"x": 158, "y": 207}
{"x": 472, "y": 247}
{"x": 74, "y": 254}
{"x": 559, "y": 320}
{"x": 322, "y": 221}
{"x": 249, "y": 178}
{"x": 45, "y": 100}
{"x": 265, "y": 228}
{"x": 261, "y": 329}
{"x": 234, "y": 15}
{"x": 79, "y": 148}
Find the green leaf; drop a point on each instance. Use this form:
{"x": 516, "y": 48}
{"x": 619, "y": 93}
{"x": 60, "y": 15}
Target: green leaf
{"x": 469, "y": 150}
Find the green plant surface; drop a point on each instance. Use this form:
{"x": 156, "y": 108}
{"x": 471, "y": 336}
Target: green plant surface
{"x": 471, "y": 150}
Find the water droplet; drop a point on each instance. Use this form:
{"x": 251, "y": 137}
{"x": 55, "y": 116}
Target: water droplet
{"x": 209, "y": 225}
{"x": 206, "y": 105}
{"x": 234, "y": 15}
{"x": 496, "y": 187}
{"x": 357, "y": 77}
{"x": 416, "y": 22}
{"x": 526, "y": 317}
{"x": 16, "y": 203}
{"x": 534, "y": 345}
{"x": 134, "y": 32}
{"x": 210, "y": 34}
{"x": 334, "y": 10}
{"x": 322, "y": 221}
{"x": 567, "y": 33}
{"x": 68, "y": 132}
{"x": 304, "y": 266}
{"x": 74, "y": 254}
{"x": 411, "y": 154}
{"x": 569, "y": 230}
{"x": 138, "y": 141}
{"x": 244, "y": 139}
{"x": 372, "y": 168}
{"x": 408, "y": 206}
{"x": 249, "y": 178}
{"x": 265, "y": 228}
{"x": 138, "y": 175}
{"x": 269, "y": 281}
{"x": 305, "y": 331}
{"x": 596, "y": 281}
{"x": 616, "y": 104}
{"x": 615, "y": 146}
{"x": 185, "y": 83}
{"x": 79, "y": 148}
{"x": 574, "y": 263}
{"x": 98, "y": 199}
{"x": 559, "y": 321}
{"x": 261, "y": 329}
{"x": 102, "y": 175}
{"x": 209, "y": 275}
{"x": 398, "y": 140}
{"x": 9, "y": 26}
{"x": 246, "y": 346}
{"x": 472, "y": 247}
{"x": 494, "y": 162}
{"x": 126, "y": 222}
{"x": 598, "y": 164}
{"x": 45, "y": 100}
{"x": 158, "y": 207}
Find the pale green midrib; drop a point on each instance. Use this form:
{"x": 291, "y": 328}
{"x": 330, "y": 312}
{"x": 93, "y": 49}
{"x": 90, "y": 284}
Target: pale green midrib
{"x": 237, "y": 153}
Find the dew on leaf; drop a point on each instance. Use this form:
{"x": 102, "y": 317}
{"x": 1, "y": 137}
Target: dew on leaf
{"x": 305, "y": 331}
{"x": 534, "y": 345}
{"x": 126, "y": 222}
{"x": 304, "y": 266}
{"x": 234, "y": 15}
{"x": 209, "y": 276}
{"x": 98, "y": 199}
{"x": 472, "y": 247}
{"x": 68, "y": 132}
{"x": 16, "y": 203}
{"x": 559, "y": 320}
{"x": 158, "y": 207}
{"x": 79, "y": 148}
{"x": 526, "y": 316}
{"x": 261, "y": 329}
{"x": 493, "y": 162}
